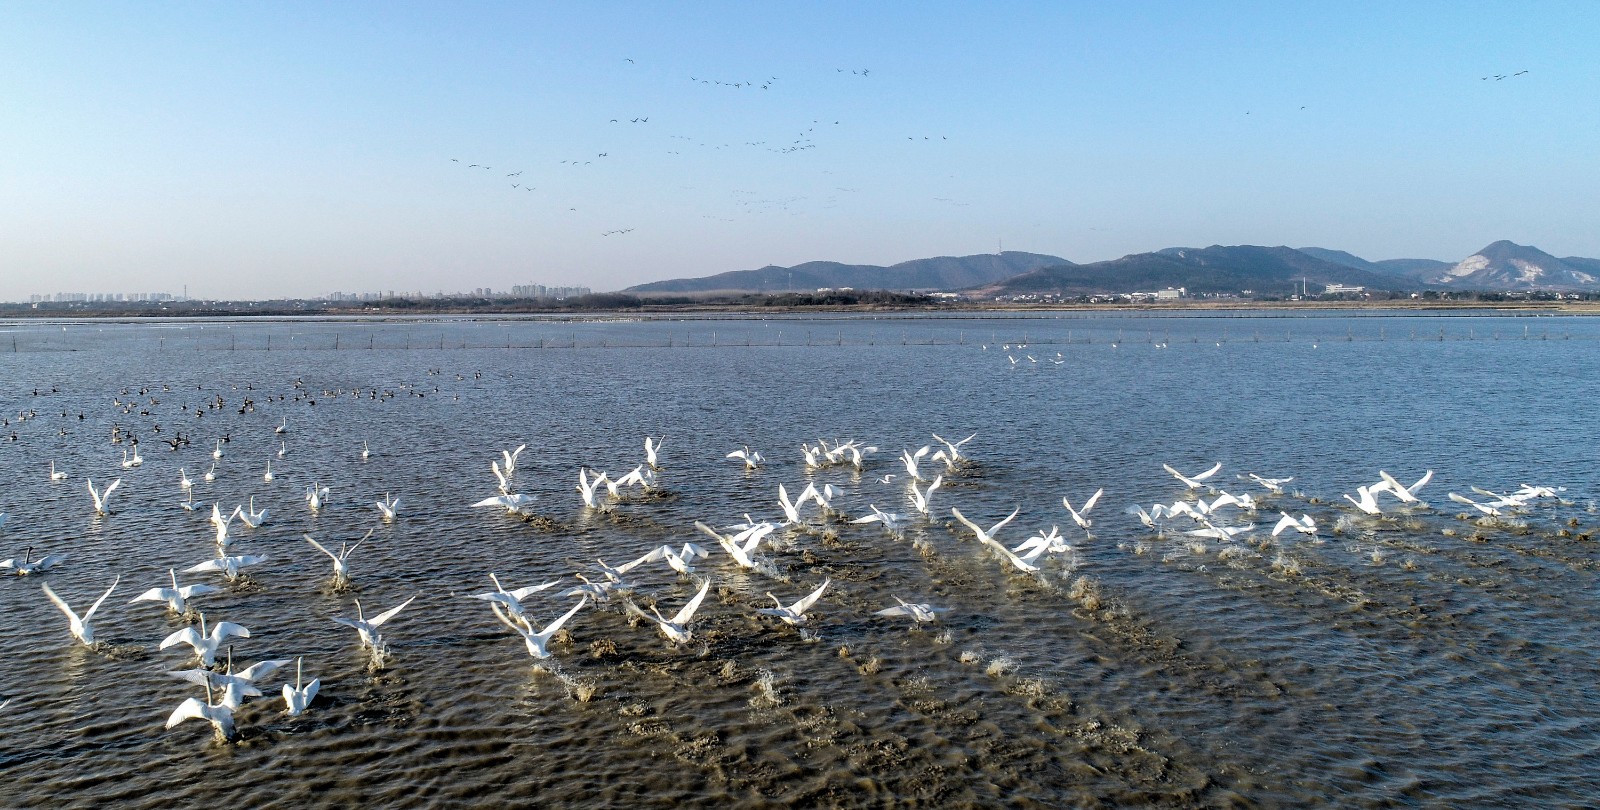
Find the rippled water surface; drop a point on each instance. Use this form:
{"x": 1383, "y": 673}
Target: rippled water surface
{"x": 1429, "y": 656}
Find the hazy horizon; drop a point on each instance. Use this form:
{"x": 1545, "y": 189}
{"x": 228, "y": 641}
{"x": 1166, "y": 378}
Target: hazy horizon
{"x": 258, "y": 151}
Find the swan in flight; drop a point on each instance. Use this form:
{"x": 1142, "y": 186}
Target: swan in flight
{"x": 219, "y": 716}
{"x": 235, "y": 686}
{"x": 368, "y": 628}
{"x": 795, "y": 613}
{"x": 387, "y": 507}
{"x": 892, "y": 522}
{"x": 741, "y": 545}
{"x": 1273, "y": 485}
{"x": 1195, "y": 481}
{"x": 1052, "y": 542}
{"x": 102, "y": 499}
{"x": 920, "y": 498}
{"x": 616, "y": 574}
{"x": 81, "y": 628}
{"x": 1492, "y": 509}
{"x": 951, "y": 454}
{"x": 341, "y": 569}
{"x": 176, "y": 597}
{"x": 791, "y": 509}
{"x": 1303, "y": 524}
{"x": 297, "y": 698}
{"x": 910, "y": 459}
{"x": 751, "y": 458}
{"x": 251, "y": 517}
{"x": 514, "y": 504}
{"x": 228, "y": 565}
{"x": 205, "y": 643}
{"x": 652, "y": 451}
{"x": 512, "y": 600}
{"x": 985, "y": 535}
{"x": 537, "y": 641}
{"x": 316, "y": 496}
{"x": 918, "y": 612}
{"x": 1367, "y": 502}
{"x": 55, "y": 474}
{"x": 22, "y": 566}
{"x": 683, "y": 561}
{"x": 1219, "y": 532}
{"x": 676, "y": 629}
{"x": 1080, "y": 516}
{"x": 211, "y": 474}
{"x": 598, "y": 591}
{"x": 1406, "y": 494}
{"x": 824, "y": 496}
{"x": 589, "y": 490}
{"x": 504, "y": 472}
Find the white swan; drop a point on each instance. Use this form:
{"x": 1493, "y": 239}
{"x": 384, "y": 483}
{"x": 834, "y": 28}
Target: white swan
{"x": 1052, "y": 542}
{"x": 228, "y": 565}
{"x": 341, "y": 569}
{"x": 589, "y": 490}
{"x": 1486, "y": 508}
{"x": 251, "y": 516}
{"x": 910, "y": 459}
{"x": 1406, "y": 494}
{"x": 512, "y": 600}
{"x": 537, "y": 642}
{"x": 1212, "y": 530}
{"x": 683, "y": 561}
{"x": 1367, "y": 503}
{"x": 297, "y": 698}
{"x": 676, "y": 629}
{"x": 55, "y": 474}
{"x": 652, "y": 451}
{"x": 514, "y": 504}
{"x": 951, "y": 454}
{"x": 741, "y": 545}
{"x": 22, "y": 566}
{"x": 217, "y": 453}
{"x": 791, "y": 509}
{"x": 985, "y": 535}
{"x": 81, "y": 627}
{"x": 1194, "y": 481}
{"x": 368, "y": 628}
{"x": 267, "y": 477}
{"x": 130, "y": 463}
{"x": 387, "y": 507}
{"x": 283, "y": 449}
{"x": 176, "y": 597}
{"x": 219, "y": 716}
{"x": 598, "y": 591}
{"x": 1303, "y": 524}
{"x": 892, "y": 522}
{"x": 183, "y": 480}
{"x": 1081, "y": 516}
{"x": 316, "y": 496}
{"x": 1273, "y": 485}
{"x": 223, "y": 524}
{"x": 919, "y": 612}
{"x": 366, "y": 452}
{"x": 795, "y": 613}
{"x": 235, "y": 686}
{"x": 751, "y": 458}
{"x": 102, "y": 499}
{"x": 616, "y": 574}
{"x": 205, "y": 643}
{"x": 920, "y": 498}
{"x": 505, "y": 472}
{"x": 211, "y": 474}
{"x": 283, "y": 428}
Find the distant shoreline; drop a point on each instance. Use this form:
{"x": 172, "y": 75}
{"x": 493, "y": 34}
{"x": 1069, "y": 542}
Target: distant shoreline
{"x": 690, "y": 311}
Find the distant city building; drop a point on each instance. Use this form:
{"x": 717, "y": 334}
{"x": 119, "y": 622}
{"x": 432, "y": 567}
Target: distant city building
{"x": 1171, "y": 294}
{"x": 1340, "y": 288}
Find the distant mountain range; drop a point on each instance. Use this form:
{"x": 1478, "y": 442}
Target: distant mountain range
{"x": 941, "y": 273}
{"x": 1502, "y": 266}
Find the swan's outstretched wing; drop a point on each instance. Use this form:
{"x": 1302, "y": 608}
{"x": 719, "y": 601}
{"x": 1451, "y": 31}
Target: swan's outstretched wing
{"x": 262, "y": 669}
{"x": 379, "y": 619}
{"x": 1208, "y": 473}
{"x": 60, "y": 605}
{"x": 810, "y": 599}
{"x": 320, "y": 547}
{"x": 976, "y": 529}
{"x": 189, "y": 709}
{"x": 1284, "y": 522}
{"x": 551, "y": 628}
{"x": 187, "y": 635}
{"x": 998, "y": 526}
{"x": 1421, "y": 482}
{"x": 523, "y": 593}
{"x": 222, "y": 630}
{"x": 158, "y": 595}
{"x": 687, "y": 613}
{"x": 897, "y": 610}
{"x": 1093, "y": 499}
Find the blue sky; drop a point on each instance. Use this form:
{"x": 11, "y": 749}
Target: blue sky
{"x": 255, "y": 150}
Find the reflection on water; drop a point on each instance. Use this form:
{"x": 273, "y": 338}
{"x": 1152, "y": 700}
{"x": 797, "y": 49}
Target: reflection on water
{"x": 1430, "y": 655}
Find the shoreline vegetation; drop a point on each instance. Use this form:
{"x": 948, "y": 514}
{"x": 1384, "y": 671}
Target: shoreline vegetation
{"x": 863, "y": 303}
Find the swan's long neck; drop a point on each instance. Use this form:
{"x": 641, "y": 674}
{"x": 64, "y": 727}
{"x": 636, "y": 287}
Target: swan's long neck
{"x": 174, "y": 574}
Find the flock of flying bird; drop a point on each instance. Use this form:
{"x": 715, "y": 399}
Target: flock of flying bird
{"x": 1207, "y": 513}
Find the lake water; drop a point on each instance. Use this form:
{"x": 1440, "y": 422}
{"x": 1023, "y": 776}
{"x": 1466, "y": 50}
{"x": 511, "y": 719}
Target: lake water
{"x": 1419, "y": 658}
